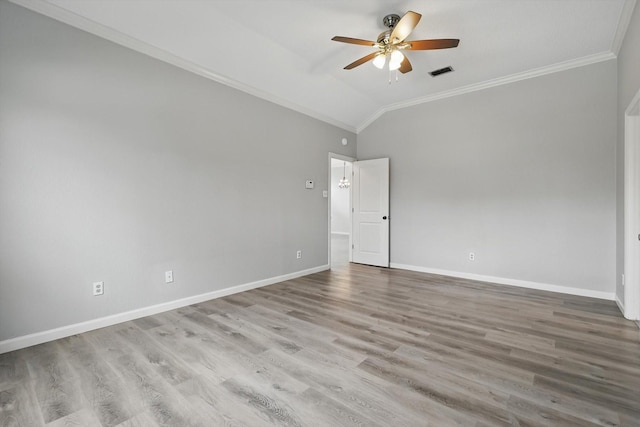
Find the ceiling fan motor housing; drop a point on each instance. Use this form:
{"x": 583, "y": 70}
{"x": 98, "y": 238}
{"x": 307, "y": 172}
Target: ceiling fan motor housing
{"x": 390, "y": 22}
{"x": 384, "y": 37}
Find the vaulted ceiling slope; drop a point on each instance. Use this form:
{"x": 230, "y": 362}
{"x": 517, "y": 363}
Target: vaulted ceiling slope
{"x": 281, "y": 50}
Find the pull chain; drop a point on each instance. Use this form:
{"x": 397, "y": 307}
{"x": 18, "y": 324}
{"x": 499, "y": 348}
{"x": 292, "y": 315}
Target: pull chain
{"x": 390, "y": 76}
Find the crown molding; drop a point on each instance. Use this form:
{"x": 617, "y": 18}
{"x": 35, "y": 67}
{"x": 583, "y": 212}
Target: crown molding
{"x": 59, "y": 14}
{"x": 55, "y": 12}
{"x": 537, "y": 72}
{"x": 623, "y": 25}
{"x": 375, "y": 116}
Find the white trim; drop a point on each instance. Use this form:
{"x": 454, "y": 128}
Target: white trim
{"x": 620, "y": 305}
{"x": 537, "y": 72}
{"x": 375, "y": 116}
{"x": 85, "y": 24}
{"x": 60, "y": 14}
{"x": 78, "y": 328}
{"x": 510, "y": 282}
{"x": 631, "y": 289}
{"x": 634, "y": 106}
{"x": 341, "y": 233}
{"x": 623, "y": 25}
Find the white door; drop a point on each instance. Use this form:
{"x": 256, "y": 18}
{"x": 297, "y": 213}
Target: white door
{"x": 371, "y": 212}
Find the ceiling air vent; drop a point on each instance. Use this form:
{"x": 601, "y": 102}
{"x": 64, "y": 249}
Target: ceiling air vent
{"x": 435, "y": 73}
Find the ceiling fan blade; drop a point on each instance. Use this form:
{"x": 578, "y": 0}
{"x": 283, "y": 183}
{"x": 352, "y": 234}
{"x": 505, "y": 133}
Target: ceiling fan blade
{"x": 405, "y": 65}
{"x": 353, "y": 41}
{"x": 404, "y": 27}
{"x": 431, "y": 44}
{"x": 362, "y": 60}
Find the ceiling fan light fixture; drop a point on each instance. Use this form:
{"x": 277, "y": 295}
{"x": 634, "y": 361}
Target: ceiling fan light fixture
{"x": 396, "y": 56}
{"x": 392, "y": 41}
{"x": 395, "y": 60}
{"x": 379, "y": 61}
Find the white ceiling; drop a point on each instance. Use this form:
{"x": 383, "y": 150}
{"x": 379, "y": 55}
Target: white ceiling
{"x": 281, "y": 50}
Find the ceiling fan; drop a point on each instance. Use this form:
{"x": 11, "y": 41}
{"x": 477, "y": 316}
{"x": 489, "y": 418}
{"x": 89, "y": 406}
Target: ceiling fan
{"x": 391, "y": 43}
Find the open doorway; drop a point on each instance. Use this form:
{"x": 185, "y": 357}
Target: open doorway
{"x": 340, "y": 237}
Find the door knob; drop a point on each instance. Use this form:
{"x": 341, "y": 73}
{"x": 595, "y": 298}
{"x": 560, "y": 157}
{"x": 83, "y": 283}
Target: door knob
{"x": 384, "y": 217}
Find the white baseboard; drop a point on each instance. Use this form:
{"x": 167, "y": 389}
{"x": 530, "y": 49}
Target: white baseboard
{"x": 620, "y": 304}
{"x": 78, "y": 328}
{"x": 621, "y": 307}
{"x": 341, "y": 233}
{"x": 510, "y": 282}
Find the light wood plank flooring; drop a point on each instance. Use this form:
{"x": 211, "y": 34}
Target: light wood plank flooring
{"x": 356, "y": 346}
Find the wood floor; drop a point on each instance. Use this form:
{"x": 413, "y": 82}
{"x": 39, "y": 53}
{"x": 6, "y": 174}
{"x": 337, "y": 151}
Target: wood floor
{"x": 356, "y": 346}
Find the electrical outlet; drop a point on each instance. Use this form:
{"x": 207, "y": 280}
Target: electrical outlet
{"x": 299, "y": 254}
{"x": 98, "y": 288}
{"x": 168, "y": 276}
{"x": 472, "y": 256}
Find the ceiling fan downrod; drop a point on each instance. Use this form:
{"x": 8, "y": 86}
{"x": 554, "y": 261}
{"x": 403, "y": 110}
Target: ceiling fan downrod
{"x": 390, "y": 20}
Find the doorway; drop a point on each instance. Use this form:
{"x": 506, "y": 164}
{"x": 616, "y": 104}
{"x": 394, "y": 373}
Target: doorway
{"x": 340, "y": 234}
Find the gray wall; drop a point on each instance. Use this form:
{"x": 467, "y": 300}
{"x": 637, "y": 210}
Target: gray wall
{"x": 628, "y": 86}
{"x": 521, "y": 174}
{"x": 116, "y": 167}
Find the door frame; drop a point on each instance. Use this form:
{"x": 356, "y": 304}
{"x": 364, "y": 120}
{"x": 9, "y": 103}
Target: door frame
{"x": 631, "y": 283}
{"x": 344, "y": 159}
